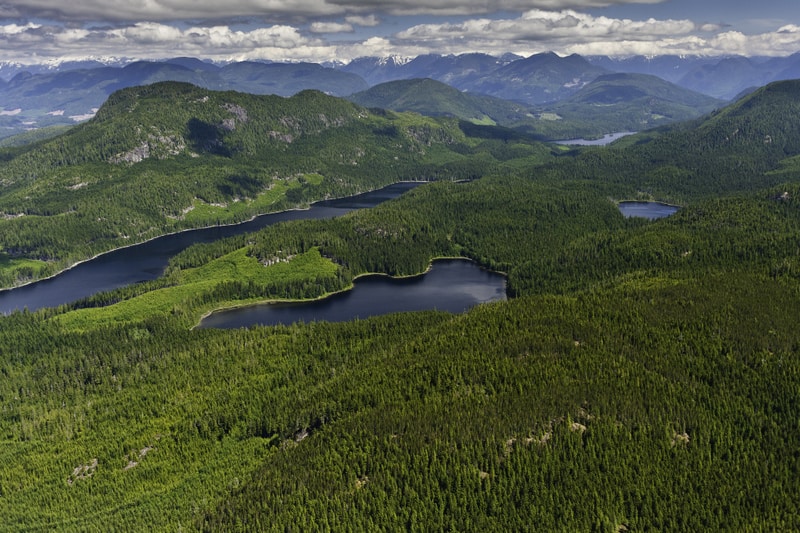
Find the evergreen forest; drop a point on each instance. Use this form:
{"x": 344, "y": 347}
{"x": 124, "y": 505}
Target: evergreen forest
{"x": 642, "y": 376}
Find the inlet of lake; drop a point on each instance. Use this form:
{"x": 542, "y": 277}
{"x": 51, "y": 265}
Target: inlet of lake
{"x": 147, "y": 261}
{"x": 449, "y": 285}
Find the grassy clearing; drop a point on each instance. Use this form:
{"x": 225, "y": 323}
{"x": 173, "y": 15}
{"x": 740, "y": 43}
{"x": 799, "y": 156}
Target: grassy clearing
{"x": 20, "y": 269}
{"x": 10, "y": 264}
{"x": 483, "y": 121}
{"x": 203, "y": 213}
{"x": 549, "y": 116}
{"x": 236, "y": 266}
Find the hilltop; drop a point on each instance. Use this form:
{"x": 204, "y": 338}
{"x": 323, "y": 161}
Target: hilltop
{"x": 627, "y": 102}
{"x": 433, "y": 98}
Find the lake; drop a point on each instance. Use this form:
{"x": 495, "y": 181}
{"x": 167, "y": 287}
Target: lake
{"x": 650, "y": 210}
{"x": 453, "y": 285}
{"x": 147, "y": 261}
{"x": 602, "y": 141}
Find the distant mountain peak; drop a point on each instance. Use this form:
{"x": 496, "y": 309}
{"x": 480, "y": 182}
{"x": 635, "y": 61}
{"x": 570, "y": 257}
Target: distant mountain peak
{"x": 395, "y": 60}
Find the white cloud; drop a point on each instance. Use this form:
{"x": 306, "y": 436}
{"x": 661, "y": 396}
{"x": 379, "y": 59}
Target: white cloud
{"x": 377, "y": 47}
{"x": 708, "y": 28}
{"x": 71, "y": 35}
{"x": 358, "y": 20}
{"x": 535, "y": 30}
{"x": 554, "y": 27}
{"x": 152, "y": 40}
{"x": 330, "y": 27}
{"x": 783, "y": 41}
{"x": 16, "y": 29}
{"x": 145, "y": 33}
{"x": 477, "y": 7}
{"x": 569, "y": 31}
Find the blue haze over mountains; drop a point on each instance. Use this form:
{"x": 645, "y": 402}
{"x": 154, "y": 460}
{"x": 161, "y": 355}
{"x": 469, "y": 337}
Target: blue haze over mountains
{"x": 37, "y": 96}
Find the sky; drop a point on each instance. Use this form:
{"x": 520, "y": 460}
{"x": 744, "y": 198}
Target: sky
{"x": 52, "y": 31}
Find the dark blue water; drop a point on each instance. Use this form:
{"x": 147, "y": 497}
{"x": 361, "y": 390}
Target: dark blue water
{"x": 147, "y": 261}
{"x": 450, "y": 285}
{"x": 651, "y": 210}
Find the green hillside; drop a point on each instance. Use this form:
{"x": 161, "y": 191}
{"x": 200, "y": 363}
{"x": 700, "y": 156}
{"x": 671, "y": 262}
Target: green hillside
{"x": 171, "y": 156}
{"x": 433, "y": 98}
{"x": 643, "y": 376}
{"x": 742, "y": 147}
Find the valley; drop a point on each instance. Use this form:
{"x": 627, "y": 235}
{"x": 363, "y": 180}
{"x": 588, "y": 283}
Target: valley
{"x": 147, "y": 261}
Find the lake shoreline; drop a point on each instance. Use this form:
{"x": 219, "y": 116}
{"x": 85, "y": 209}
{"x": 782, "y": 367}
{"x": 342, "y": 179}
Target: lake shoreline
{"x": 199, "y": 228}
{"x": 344, "y": 290}
{"x": 676, "y": 206}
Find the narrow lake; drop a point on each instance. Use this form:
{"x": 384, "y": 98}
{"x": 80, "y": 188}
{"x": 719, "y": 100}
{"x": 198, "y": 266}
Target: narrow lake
{"x": 651, "y": 210}
{"x": 147, "y": 261}
{"x": 602, "y": 141}
{"x": 452, "y": 285}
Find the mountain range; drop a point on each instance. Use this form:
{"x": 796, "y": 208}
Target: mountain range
{"x": 227, "y": 156}
{"x": 609, "y": 103}
{"x": 719, "y": 77}
{"x": 41, "y": 96}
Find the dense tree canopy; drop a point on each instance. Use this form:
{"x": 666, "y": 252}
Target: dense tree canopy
{"x": 644, "y": 376}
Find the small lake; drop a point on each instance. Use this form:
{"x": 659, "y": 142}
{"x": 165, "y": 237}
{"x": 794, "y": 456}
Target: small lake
{"x": 147, "y": 261}
{"x": 650, "y": 210}
{"x": 452, "y": 285}
{"x": 602, "y": 141}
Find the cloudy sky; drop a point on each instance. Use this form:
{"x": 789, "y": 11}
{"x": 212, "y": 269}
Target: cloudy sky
{"x": 37, "y": 31}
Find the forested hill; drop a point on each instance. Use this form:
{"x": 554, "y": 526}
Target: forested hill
{"x": 643, "y": 376}
{"x": 434, "y": 98}
{"x": 170, "y": 156}
{"x": 747, "y": 145}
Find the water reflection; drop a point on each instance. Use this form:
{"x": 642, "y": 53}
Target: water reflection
{"x": 649, "y": 210}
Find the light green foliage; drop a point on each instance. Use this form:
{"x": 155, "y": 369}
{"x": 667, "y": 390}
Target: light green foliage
{"x": 15, "y": 271}
{"x": 202, "y": 213}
